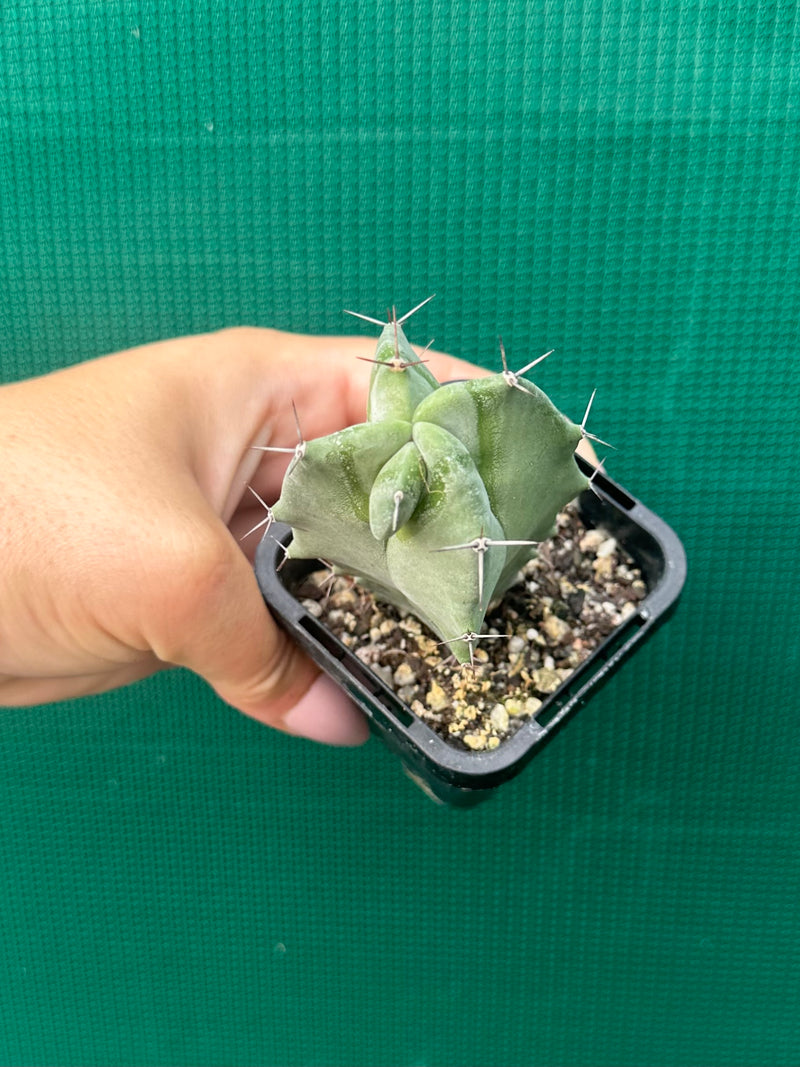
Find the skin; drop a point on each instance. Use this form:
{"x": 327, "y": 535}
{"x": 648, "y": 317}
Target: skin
{"x": 124, "y": 487}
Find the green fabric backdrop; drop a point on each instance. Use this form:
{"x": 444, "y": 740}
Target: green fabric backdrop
{"x": 618, "y": 181}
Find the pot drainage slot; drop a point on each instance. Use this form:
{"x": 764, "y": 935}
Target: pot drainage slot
{"x": 594, "y": 668}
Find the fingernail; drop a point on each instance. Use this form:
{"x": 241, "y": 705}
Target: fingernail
{"x": 326, "y": 714}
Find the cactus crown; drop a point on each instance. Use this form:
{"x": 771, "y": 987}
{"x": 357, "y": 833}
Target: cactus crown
{"x": 436, "y": 501}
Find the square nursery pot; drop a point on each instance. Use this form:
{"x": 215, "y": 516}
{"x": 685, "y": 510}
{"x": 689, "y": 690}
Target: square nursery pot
{"x": 446, "y": 773}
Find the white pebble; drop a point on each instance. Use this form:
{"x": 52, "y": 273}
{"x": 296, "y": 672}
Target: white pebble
{"x": 555, "y": 628}
{"x": 592, "y": 540}
{"x": 607, "y": 548}
{"x": 477, "y": 742}
{"x": 499, "y": 717}
{"x": 384, "y": 672}
{"x": 404, "y": 675}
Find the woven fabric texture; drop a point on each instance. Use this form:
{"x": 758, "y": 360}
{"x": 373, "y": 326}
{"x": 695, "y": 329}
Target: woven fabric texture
{"x": 619, "y": 181}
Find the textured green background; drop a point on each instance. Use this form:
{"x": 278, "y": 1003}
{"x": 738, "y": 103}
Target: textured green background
{"x": 618, "y": 181}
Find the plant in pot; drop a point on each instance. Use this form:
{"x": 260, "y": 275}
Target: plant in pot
{"x": 442, "y": 504}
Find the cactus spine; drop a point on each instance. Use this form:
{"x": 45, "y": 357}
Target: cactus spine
{"x": 436, "y": 501}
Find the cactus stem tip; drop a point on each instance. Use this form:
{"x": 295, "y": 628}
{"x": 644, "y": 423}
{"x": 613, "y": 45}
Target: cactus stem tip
{"x": 391, "y": 315}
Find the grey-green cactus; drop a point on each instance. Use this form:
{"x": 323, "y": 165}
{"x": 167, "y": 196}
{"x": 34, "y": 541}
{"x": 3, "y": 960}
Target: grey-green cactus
{"x": 436, "y": 501}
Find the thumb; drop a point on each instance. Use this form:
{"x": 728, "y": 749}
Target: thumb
{"x": 231, "y": 640}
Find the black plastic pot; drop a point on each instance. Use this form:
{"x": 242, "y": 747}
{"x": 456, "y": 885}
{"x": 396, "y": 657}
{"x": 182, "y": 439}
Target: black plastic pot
{"x": 447, "y": 774}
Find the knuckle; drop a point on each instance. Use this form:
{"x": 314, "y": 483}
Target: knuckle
{"x": 188, "y": 586}
{"x": 200, "y": 566}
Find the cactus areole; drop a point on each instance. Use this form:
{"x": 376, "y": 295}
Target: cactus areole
{"x": 436, "y": 501}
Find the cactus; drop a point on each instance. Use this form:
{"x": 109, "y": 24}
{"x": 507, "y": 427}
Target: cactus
{"x": 436, "y": 501}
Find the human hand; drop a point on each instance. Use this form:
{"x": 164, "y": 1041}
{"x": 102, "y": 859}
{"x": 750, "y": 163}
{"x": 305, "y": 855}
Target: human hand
{"x": 124, "y": 488}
